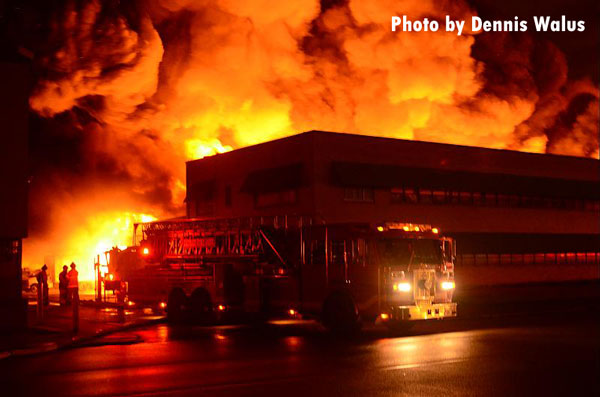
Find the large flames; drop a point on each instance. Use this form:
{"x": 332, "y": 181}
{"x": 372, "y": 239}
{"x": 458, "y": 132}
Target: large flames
{"x": 81, "y": 232}
{"x": 147, "y": 88}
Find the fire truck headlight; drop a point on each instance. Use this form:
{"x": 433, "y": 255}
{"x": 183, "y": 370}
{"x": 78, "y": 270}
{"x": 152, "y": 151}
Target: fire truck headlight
{"x": 446, "y": 285}
{"x": 145, "y": 251}
{"x": 402, "y": 287}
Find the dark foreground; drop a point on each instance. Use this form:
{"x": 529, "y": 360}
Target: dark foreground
{"x": 499, "y": 356}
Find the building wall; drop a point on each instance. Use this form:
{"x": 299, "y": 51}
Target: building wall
{"x": 553, "y": 206}
{"x": 460, "y": 217}
{"x": 15, "y": 80}
{"x": 231, "y": 170}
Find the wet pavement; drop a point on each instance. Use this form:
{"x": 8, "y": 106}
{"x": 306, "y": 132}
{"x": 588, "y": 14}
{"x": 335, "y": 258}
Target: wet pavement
{"x": 55, "y": 329}
{"x": 499, "y": 356}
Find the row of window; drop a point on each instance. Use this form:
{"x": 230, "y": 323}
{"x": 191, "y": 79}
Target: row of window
{"x": 432, "y": 196}
{"x": 411, "y": 195}
{"x": 569, "y": 258}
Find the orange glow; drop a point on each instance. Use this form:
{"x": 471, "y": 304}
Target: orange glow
{"x": 417, "y": 229}
{"x": 83, "y": 234}
{"x": 251, "y": 80}
{"x": 162, "y": 305}
{"x": 292, "y": 312}
{"x": 145, "y": 251}
{"x": 435, "y": 230}
{"x": 197, "y": 149}
{"x": 111, "y": 277}
{"x": 246, "y": 73}
{"x": 380, "y": 228}
{"x": 130, "y": 303}
{"x": 221, "y": 308}
{"x": 384, "y": 316}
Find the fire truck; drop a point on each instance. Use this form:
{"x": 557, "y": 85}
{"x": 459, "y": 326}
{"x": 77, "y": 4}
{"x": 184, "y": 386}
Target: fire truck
{"x": 344, "y": 274}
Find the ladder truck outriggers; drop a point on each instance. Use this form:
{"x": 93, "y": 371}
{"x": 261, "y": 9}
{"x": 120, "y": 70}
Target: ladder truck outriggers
{"x": 344, "y": 274}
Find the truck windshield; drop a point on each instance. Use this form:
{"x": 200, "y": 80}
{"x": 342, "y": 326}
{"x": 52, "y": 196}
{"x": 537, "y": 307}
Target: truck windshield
{"x": 401, "y": 252}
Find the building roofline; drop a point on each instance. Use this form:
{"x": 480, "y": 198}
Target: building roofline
{"x": 408, "y": 141}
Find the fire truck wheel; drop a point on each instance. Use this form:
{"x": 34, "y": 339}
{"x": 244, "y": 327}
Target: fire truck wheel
{"x": 33, "y": 288}
{"x": 201, "y": 306}
{"x": 340, "y": 314}
{"x": 176, "y": 306}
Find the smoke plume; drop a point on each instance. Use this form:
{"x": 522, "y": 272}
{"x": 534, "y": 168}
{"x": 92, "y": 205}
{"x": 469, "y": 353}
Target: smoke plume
{"x": 137, "y": 88}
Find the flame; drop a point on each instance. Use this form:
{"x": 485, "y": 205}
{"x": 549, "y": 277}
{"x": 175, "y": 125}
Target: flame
{"x": 143, "y": 89}
{"x": 89, "y": 238}
{"x": 205, "y": 77}
{"x": 197, "y": 149}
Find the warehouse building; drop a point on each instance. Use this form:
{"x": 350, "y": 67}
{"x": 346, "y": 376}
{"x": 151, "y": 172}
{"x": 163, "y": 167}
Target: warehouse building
{"x": 503, "y": 207}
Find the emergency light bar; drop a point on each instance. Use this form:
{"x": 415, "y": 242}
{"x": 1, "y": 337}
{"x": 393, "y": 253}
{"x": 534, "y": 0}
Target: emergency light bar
{"x": 408, "y": 227}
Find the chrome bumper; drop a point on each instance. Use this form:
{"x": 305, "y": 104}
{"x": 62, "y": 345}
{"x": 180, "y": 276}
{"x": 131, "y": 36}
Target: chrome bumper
{"x": 422, "y": 312}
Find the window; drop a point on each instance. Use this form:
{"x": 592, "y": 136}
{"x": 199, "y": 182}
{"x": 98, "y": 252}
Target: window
{"x": 16, "y": 247}
{"x": 425, "y": 196}
{"x": 489, "y": 199}
{"x": 502, "y": 200}
{"x": 359, "y": 194}
{"x": 357, "y": 252}
{"x": 397, "y": 195}
{"x": 478, "y": 199}
{"x": 453, "y": 197}
{"x": 410, "y": 195}
{"x": 338, "y": 252}
{"x": 466, "y": 198}
{"x": 526, "y": 202}
{"x": 439, "y": 196}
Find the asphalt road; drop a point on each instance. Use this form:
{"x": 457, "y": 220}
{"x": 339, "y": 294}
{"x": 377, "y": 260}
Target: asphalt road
{"x": 500, "y": 356}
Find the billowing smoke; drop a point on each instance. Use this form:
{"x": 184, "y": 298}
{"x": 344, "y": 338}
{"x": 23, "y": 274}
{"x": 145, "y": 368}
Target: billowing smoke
{"x": 137, "y": 88}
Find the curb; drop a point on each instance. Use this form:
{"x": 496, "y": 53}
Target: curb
{"x": 77, "y": 342}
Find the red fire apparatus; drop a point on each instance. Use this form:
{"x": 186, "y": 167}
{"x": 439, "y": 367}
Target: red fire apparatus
{"x": 341, "y": 273}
